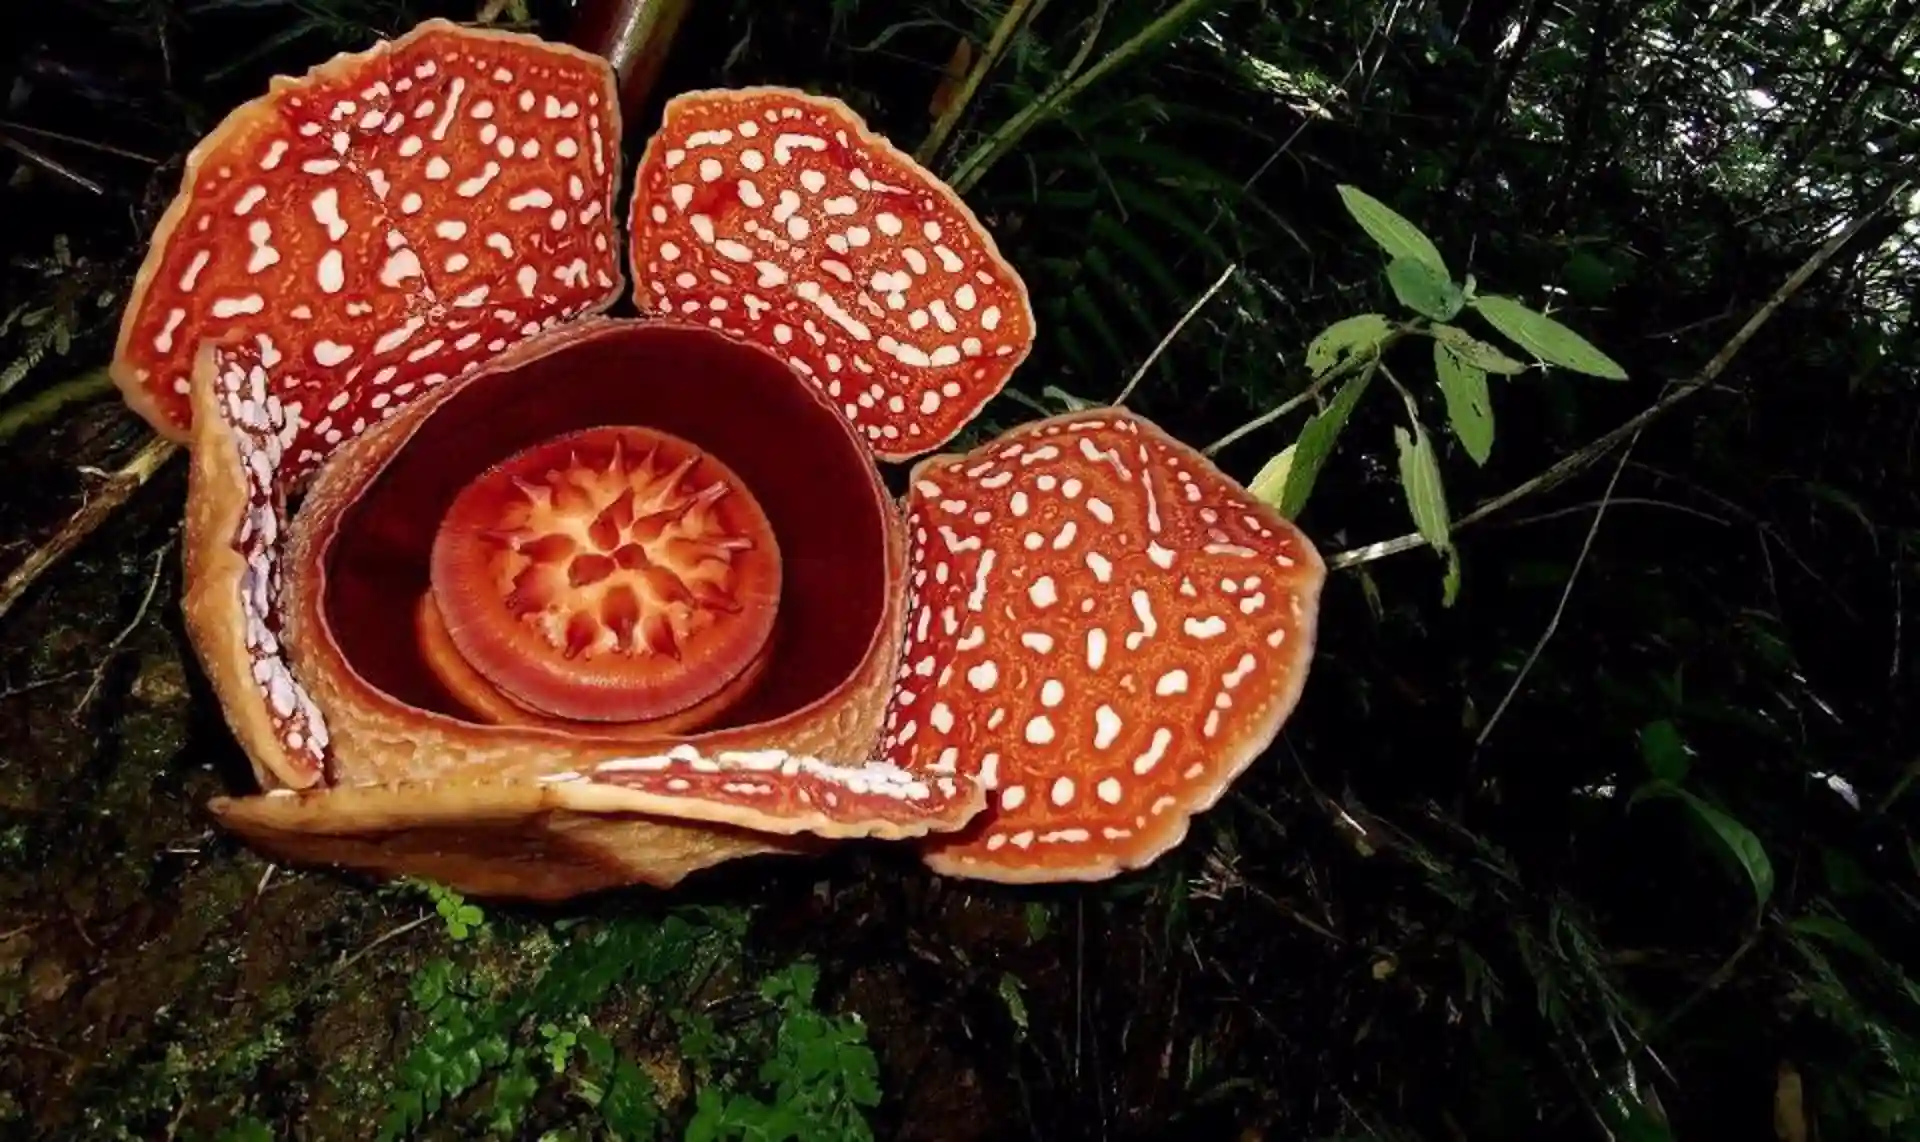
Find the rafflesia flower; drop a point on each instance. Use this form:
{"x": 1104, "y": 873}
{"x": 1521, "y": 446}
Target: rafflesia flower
{"x": 532, "y": 601}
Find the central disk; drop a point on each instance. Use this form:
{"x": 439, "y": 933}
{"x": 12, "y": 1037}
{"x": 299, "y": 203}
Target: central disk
{"x": 616, "y": 574}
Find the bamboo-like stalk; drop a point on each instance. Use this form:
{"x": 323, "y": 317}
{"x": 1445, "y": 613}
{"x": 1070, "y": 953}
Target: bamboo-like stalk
{"x": 635, "y": 36}
{"x": 1073, "y": 82}
{"x": 1003, "y": 34}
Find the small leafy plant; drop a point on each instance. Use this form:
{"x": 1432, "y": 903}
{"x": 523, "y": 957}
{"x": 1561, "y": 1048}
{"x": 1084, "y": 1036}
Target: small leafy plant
{"x": 1352, "y": 351}
{"x": 819, "y": 1072}
{"x": 502, "y": 1055}
{"x": 461, "y": 918}
{"x": 506, "y": 1045}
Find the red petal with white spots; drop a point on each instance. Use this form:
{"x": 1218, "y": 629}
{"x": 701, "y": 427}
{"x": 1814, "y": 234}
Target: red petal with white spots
{"x": 1103, "y": 627}
{"x": 363, "y": 226}
{"x": 778, "y": 216}
{"x": 499, "y": 164}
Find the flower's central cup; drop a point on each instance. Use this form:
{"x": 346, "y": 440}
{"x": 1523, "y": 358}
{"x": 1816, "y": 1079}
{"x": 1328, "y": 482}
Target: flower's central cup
{"x": 617, "y": 575}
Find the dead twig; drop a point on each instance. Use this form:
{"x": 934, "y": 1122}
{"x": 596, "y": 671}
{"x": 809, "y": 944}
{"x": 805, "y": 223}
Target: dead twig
{"x": 50, "y": 164}
{"x": 99, "y": 507}
{"x": 390, "y": 934}
{"x": 77, "y": 141}
{"x": 139, "y": 616}
{"x": 1358, "y": 363}
{"x": 43, "y": 683}
{"x": 1560, "y": 608}
{"x": 1199, "y": 304}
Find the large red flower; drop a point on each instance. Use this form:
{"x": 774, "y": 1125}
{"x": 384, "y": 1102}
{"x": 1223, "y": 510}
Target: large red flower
{"x": 533, "y": 601}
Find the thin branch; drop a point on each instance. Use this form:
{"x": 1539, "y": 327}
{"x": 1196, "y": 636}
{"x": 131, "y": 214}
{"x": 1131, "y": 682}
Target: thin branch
{"x": 1619, "y": 502}
{"x": 1566, "y": 468}
{"x": 52, "y": 165}
{"x": 126, "y": 632}
{"x": 1219, "y": 284}
{"x": 1003, "y": 34}
{"x": 98, "y": 508}
{"x": 1341, "y": 372}
{"x": 1560, "y": 608}
{"x": 390, "y": 934}
{"x": 1062, "y": 93}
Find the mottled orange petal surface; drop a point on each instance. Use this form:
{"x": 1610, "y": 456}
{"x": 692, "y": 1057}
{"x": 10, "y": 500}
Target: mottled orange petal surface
{"x": 370, "y": 229}
{"x": 778, "y": 216}
{"x": 1105, "y": 629}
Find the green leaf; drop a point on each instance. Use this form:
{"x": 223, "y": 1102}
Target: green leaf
{"x": 1038, "y": 922}
{"x": 1844, "y": 875}
{"x": 1356, "y": 336}
{"x": 1738, "y": 840}
{"x": 1013, "y": 995}
{"x": 1392, "y": 233}
{"x": 1546, "y": 338}
{"x": 1423, "y": 289}
{"x": 630, "y": 1109}
{"x": 1741, "y": 842}
{"x": 1839, "y": 933}
{"x": 1420, "y": 479}
{"x": 1476, "y": 352}
{"x": 1316, "y": 442}
{"x": 1469, "y": 406}
{"x": 1665, "y": 753}
{"x": 1270, "y": 483}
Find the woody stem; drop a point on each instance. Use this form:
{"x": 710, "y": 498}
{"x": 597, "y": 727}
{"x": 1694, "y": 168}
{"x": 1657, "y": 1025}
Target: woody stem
{"x": 98, "y": 508}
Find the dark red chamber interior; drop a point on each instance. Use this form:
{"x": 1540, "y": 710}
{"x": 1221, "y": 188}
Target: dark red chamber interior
{"x": 811, "y": 476}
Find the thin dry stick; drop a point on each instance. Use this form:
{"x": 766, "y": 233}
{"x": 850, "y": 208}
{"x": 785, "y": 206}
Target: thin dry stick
{"x": 390, "y": 934}
{"x": 126, "y": 632}
{"x": 1219, "y": 284}
{"x": 1003, "y": 33}
{"x": 1565, "y": 469}
{"x": 1276, "y": 412}
{"x": 1560, "y": 608}
{"x": 77, "y": 141}
{"x": 99, "y": 507}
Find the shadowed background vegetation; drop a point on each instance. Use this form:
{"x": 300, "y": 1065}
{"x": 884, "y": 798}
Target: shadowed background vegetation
{"x": 1609, "y": 836}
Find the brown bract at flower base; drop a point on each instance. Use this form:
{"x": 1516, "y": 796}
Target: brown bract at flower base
{"x": 536, "y": 602}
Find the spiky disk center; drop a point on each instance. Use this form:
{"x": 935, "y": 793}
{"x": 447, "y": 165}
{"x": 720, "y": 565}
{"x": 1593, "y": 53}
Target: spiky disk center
{"x": 611, "y": 574}
{"x": 629, "y": 558}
